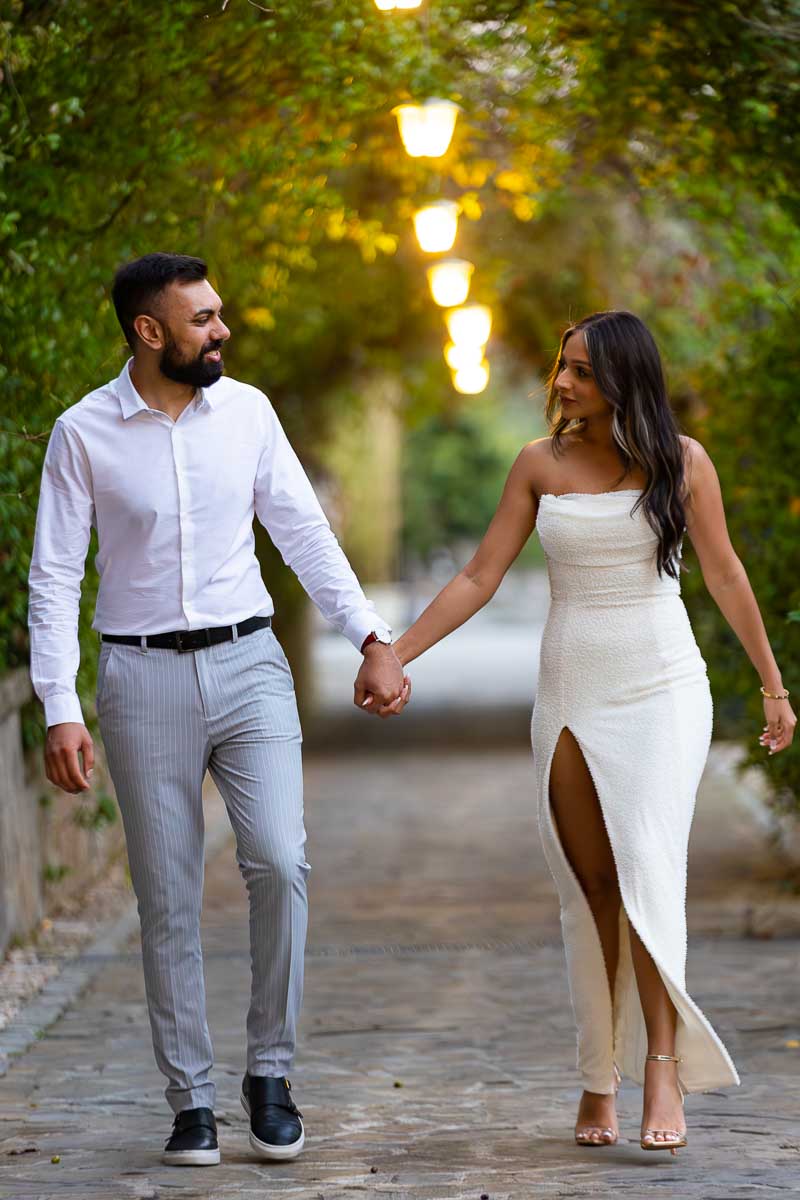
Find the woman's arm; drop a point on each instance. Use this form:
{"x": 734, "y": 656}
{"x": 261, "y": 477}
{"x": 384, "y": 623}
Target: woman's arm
{"x": 726, "y": 580}
{"x": 461, "y": 598}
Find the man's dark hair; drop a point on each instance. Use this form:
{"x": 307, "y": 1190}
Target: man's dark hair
{"x": 138, "y": 284}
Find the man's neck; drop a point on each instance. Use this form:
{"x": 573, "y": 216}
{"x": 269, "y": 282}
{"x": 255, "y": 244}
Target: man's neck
{"x": 159, "y": 392}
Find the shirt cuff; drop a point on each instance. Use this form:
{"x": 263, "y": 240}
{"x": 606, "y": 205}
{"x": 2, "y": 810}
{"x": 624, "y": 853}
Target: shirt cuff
{"x": 65, "y": 706}
{"x": 363, "y": 622}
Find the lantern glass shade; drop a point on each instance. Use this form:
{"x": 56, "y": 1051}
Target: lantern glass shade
{"x": 449, "y": 281}
{"x": 426, "y": 129}
{"x": 436, "y": 226}
{"x": 460, "y": 355}
{"x": 471, "y": 380}
{"x": 470, "y": 325}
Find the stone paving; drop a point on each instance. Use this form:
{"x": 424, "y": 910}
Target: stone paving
{"x": 437, "y": 1048}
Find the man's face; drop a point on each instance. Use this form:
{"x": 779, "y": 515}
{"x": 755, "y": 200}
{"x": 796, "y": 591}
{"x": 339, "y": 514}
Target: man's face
{"x": 194, "y": 333}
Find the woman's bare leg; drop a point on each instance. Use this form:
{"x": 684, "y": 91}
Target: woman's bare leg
{"x": 663, "y": 1108}
{"x": 583, "y": 836}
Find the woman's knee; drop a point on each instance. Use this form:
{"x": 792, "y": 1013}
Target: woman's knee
{"x": 601, "y": 888}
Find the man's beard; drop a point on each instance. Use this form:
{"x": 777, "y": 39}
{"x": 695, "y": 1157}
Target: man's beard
{"x": 198, "y": 372}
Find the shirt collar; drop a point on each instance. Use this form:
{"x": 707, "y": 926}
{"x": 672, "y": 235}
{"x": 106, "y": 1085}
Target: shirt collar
{"x": 131, "y": 402}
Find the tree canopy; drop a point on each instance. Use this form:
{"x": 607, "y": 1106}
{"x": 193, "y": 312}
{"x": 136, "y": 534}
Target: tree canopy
{"x": 623, "y": 153}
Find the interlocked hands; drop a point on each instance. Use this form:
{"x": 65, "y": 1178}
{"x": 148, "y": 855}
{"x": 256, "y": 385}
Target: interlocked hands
{"x": 381, "y": 687}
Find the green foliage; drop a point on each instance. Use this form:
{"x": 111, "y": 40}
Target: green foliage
{"x": 756, "y": 449}
{"x": 54, "y": 872}
{"x": 98, "y": 814}
{"x": 627, "y": 153}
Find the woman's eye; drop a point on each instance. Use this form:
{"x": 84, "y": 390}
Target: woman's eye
{"x": 583, "y": 373}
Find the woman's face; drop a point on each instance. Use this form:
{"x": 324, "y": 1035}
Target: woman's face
{"x": 579, "y": 394}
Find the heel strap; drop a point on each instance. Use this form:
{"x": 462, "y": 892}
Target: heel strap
{"x": 663, "y": 1058}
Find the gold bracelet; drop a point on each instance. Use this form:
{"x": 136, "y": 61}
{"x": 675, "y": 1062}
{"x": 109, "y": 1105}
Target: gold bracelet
{"x": 784, "y": 695}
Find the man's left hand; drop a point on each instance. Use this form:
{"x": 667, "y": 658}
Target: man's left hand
{"x": 380, "y": 686}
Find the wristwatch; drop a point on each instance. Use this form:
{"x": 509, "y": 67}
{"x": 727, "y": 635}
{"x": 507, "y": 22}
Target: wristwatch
{"x": 377, "y": 636}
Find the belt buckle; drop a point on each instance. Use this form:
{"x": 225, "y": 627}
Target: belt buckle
{"x": 181, "y": 648}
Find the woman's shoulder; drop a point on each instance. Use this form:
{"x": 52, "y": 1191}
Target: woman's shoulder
{"x": 698, "y": 469}
{"x": 539, "y": 462}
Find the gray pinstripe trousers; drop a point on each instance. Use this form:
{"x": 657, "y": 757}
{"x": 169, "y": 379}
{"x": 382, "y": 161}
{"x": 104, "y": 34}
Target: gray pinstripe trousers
{"x": 165, "y": 719}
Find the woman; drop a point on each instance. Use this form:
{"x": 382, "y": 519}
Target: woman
{"x": 622, "y": 721}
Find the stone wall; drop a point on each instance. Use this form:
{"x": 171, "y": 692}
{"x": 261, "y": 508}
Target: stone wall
{"x": 52, "y": 846}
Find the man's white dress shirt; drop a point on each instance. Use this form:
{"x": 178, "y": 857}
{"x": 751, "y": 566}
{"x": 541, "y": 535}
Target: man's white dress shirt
{"x": 173, "y": 504}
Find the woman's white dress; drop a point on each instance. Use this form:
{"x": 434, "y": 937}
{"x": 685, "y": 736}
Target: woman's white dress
{"x": 621, "y": 670}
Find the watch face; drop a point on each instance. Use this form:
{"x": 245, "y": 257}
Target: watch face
{"x": 382, "y": 636}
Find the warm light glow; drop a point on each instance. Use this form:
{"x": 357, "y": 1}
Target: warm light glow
{"x": 471, "y": 324}
{"x": 463, "y": 354}
{"x": 436, "y": 225}
{"x": 391, "y": 5}
{"x": 471, "y": 380}
{"x": 426, "y": 129}
{"x": 449, "y": 281}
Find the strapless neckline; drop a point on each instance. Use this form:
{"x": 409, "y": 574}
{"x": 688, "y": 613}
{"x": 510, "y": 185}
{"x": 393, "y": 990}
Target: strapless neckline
{"x": 589, "y": 495}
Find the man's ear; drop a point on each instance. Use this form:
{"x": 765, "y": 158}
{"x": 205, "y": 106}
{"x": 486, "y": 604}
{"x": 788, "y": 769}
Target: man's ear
{"x": 150, "y": 331}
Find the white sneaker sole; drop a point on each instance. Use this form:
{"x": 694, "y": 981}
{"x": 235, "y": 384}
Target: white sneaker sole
{"x": 190, "y": 1158}
{"x": 274, "y": 1153}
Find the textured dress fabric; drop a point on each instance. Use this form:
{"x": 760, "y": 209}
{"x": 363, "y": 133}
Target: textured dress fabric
{"x": 621, "y": 670}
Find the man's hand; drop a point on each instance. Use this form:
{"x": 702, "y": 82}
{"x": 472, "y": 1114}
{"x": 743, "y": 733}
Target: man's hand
{"x": 62, "y": 765}
{"x": 380, "y": 686}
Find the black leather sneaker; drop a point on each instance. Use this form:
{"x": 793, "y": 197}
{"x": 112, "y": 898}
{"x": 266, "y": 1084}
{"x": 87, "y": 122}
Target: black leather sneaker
{"x": 194, "y": 1140}
{"x": 276, "y": 1131}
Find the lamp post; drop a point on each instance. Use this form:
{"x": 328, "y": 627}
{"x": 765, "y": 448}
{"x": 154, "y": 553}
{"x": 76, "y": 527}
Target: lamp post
{"x": 471, "y": 324}
{"x": 436, "y": 226}
{"x": 449, "y": 281}
{"x": 471, "y": 380}
{"x": 426, "y": 129}
{"x": 469, "y": 327}
{"x": 460, "y": 355}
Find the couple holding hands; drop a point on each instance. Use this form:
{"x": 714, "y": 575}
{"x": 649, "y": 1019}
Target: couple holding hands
{"x": 170, "y": 462}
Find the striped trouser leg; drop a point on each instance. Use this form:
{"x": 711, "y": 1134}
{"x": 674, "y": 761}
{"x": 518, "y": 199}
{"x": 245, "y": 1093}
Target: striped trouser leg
{"x": 153, "y": 729}
{"x": 256, "y": 764}
{"x": 164, "y": 718}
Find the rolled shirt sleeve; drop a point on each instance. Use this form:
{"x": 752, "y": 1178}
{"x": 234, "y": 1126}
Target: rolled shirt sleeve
{"x": 63, "y": 529}
{"x": 287, "y": 507}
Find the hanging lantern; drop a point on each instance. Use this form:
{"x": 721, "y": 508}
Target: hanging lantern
{"x": 470, "y": 325}
{"x": 449, "y": 281}
{"x": 471, "y": 380}
{"x": 436, "y": 225}
{"x": 391, "y": 5}
{"x": 426, "y": 129}
{"x": 459, "y": 355}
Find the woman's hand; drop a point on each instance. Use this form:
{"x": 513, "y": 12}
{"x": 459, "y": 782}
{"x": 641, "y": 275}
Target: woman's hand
{"x": 779, "y": 729}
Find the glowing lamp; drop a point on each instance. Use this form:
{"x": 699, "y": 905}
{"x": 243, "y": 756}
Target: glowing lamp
{"x": 436, "y": 225}
{"x": 459, "y": 355}
{"x": 426, "y": 129}
{"x": 471, "y": 380}
{"x": 471, "y": 324}
{"x": 449, "y": 281}
{"x": 391, "y": 5}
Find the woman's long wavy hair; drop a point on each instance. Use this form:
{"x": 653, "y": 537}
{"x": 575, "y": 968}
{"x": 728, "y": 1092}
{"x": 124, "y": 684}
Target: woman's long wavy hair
{"x": 627, "y": 369}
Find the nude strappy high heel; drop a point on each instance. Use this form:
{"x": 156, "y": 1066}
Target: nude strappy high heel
{"x": 673, "y": 1139}
{"x": 607, "y": 1136}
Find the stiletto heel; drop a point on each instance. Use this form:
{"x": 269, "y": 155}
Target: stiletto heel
{"x": 608, "y": 1137}
{"x": 672, "y": 1139}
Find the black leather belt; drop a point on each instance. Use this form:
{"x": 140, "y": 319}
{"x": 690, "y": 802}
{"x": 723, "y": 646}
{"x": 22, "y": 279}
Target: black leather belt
{"x": 185, "y": 640}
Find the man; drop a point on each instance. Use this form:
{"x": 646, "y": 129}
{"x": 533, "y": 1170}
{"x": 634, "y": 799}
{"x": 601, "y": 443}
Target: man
{"x": 170, "y": 462}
